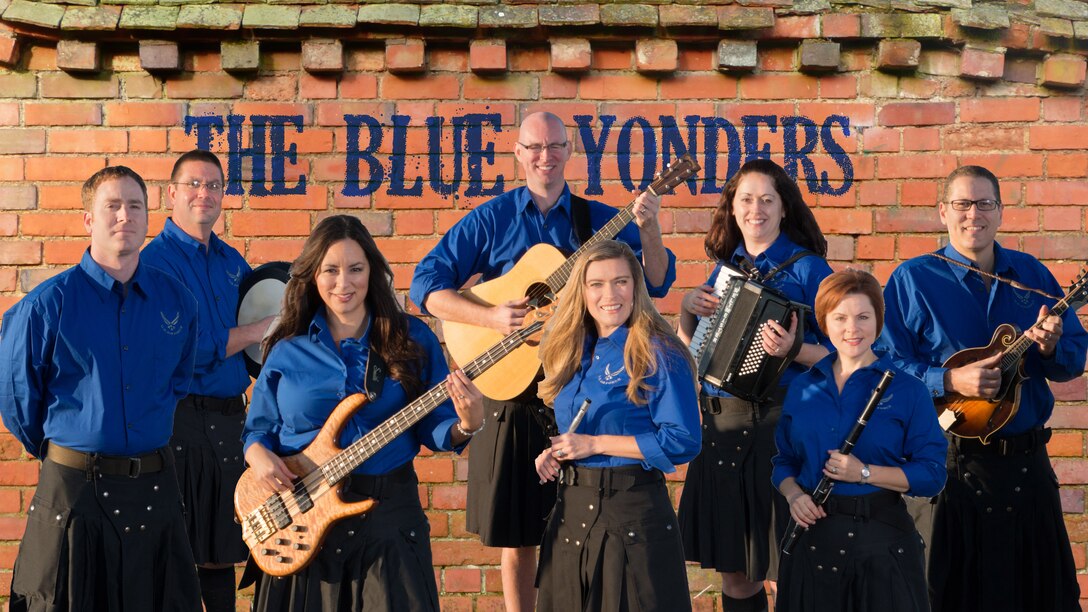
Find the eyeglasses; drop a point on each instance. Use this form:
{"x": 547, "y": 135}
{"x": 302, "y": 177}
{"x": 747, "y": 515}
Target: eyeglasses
{"x": 195, "y": 185}
{"x": 983, "y": 204}
{"x": 554, "y": 147}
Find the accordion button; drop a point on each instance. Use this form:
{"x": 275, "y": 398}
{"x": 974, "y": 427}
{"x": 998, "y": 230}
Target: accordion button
{"x": 738, "y": 449}
{"x": 713, "y": 443}
{"x": 733, "y": 463}
{"x": 720, "y": 462}
{"x": 746, "y": 432}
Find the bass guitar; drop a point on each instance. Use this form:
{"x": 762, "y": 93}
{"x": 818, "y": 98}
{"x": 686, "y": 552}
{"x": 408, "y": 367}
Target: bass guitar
{"x": 539, "y": 275}
{"x": 285, "y": 529}
{"x": 976, "y": 417}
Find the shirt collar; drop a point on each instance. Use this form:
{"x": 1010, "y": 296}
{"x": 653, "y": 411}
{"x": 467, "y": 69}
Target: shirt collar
{"x": 190, "y": 246}
{"x": 825, "y": 365}
{"x": 779, "y": 251}
{"x": 1002, "y": 265}
{"x": 319, "y": 331}
{"x": 106, "y": 284}
{"x": 618, "y": 338}
{"x": 524, "y": 199}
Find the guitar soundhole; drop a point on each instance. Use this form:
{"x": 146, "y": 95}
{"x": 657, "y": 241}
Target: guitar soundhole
{"x": 540, "y": 295}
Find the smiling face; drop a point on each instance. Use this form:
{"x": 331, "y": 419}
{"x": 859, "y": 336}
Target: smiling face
{"x": 758, "y": 210}
{"x": 609, "y": 293}
{"x": 971, "y": 232}
{"x": 544, "y": 169}
{"x": 342, "y": 280}
{"x": 116, "y": 219}
{"x": 195, "y": 211}
{"x": 851, "y": 326}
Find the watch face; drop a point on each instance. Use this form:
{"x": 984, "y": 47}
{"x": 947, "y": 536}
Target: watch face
{"x": 865, "y": 471}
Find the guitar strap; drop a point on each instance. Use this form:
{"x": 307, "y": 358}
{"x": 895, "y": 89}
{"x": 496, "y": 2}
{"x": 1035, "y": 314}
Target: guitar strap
{"x": 786, "y": 264}
{"x": 579, "y": 218}
{"x": 374, "y": 380}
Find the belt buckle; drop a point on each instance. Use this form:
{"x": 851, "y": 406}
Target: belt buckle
{"x": 135, "y": 464}
{"x": 1003, "y": 447}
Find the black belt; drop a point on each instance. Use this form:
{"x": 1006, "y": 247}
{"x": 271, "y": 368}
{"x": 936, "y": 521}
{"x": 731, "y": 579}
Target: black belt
{"x": 1026, "y": 442}
{"x": 226, "y": 405}
{"x": 862, "y": 506}
{"x": 712, "y": 404}
{"x": 373, "y": 485}
{"x": 92, "y": 463}
{"x": 609, "y": 479}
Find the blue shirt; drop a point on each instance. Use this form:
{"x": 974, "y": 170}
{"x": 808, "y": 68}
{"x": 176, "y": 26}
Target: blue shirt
{"x": 213, "y": 274}
{"x": 666, "y": 428}
{"x": 494, "y": 236}
{"x": 798, "y": 281}
{"x": 305, "y": 377}
{"x": 902, "y": 432}
{"x": 934, "y": 309}
{"x": 90, "y": 368}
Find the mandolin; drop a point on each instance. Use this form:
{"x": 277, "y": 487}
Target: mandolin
{"x": 539, "y": 274}
{"x": 975, "y": 417}
{"x": 284, "y": 530}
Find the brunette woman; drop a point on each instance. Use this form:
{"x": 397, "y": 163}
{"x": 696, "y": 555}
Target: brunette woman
{"x": 730, "y": 516}
{"x": 340, "y": 319}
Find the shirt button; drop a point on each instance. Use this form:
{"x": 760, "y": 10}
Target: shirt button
{"x": 218, "y": 299}
{"x": 128, "y": 387}
{"x": 124, "y": 348}
{"x": 130, "y": 425}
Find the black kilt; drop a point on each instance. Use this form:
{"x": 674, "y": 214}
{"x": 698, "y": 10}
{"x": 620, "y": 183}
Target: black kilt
{"x": 208, "y": 447}
{"x": 104, "y": 543}
{"x": 865, "y": 556}
{"x": 731, "y": 517}
{"x": 377, "y": 562}
{"x": 999, "y": 539}
{"x": 507, "y": 505}
{"x": 612, "y": 543}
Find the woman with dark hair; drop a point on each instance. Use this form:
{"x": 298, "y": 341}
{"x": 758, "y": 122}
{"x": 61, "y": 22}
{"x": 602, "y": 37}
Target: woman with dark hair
{"x": 612, "y": 542}
{"x": 860, "y": 550}
{"x": 730, "y": 516}
{"x": 340, "y": 322}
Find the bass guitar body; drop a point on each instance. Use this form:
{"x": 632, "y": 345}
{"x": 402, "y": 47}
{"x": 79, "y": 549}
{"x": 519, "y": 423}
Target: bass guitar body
{"x": 285, "y": 530}
{"x": 465, "y": 342}
{"x": 975, "y": 417}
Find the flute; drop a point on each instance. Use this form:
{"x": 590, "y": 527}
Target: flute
{"x": 575, "y": 422}
{"x": 823, "y": 490}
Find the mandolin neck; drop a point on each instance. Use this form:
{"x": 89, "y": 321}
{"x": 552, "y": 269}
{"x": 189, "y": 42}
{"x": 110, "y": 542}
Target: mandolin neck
{"x": 1012, "y": 355}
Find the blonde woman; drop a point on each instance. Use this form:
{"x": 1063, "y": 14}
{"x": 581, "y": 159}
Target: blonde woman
{"x": 612, "y": 542}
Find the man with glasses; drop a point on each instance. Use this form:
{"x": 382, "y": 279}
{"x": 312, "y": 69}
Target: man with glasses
{"x": 507, "y": 506}
{"x": 92, "y": 364}
{"x": 998, "y": 538}
{"x": 208, "y": 423}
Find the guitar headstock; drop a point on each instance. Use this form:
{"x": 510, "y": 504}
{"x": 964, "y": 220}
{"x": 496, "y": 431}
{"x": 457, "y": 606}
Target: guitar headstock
{"x": 677, "y": 172}
{"x": 1078, "y": 290}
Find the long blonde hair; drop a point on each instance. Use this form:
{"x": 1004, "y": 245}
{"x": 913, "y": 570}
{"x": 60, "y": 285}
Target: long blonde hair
{"x": 564, "y": 336}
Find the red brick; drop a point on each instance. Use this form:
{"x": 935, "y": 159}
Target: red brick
{"x": 11, "y": 499}
{"x": 323, "y": 55}
{"x": 1066, "y": 444}
{"x": 921, "y": 139}
{"x": 875, "y": 247}
{"x": 1057, "y": 246}
{"x": 332, "y": 113}
{"x": 463, "y": 552}
{"x": 989, "y": 138}
{"x": 314, "y": 199}
{"x": 917, "y": 113}
{"x": 272, "y": 87}
{"x": 209, "y": 85}
{"x": 528, "y": 59}
{"x": 1063, "y": 71}
{"x": 434, "y": 469}
{"x": 845, "y": 221}
{"x": 611, "y": 58}
{"x": 21, "y": 254}
{"x": 982, "y": 64}
{"x": 558, "y": 86}
{"x": 359, "y": 86}
{"x": 1062, "y": 219}
{"x": 908, "y": 220}
{"x": 510, "y": 87}
{"x": 714, "y": 86}
{"x": 72, "y": 169}
{"x": 9, "y": 224}
{"x": 270, "y": 223}
{"x": 800, "y": 27}
{"x": 878, "y": 193}
{"x": 9, "y": 50}
{"x": 1063, "y": 109}
{"x": 405, "y": 55}
{"x": 915, "y": 166}
{"x": 617, "y": 87}
{"x": 778, "y": 87}
{"x": 317, "y": 86}
{"x": 447, "y": 59}
{"x": 898, "y": 54}
{"x": 17, "y": 473}
{"x": 159, "y": 55}
{"x": 656, "y": 55}
{"x": 62, "y": 113}
{"x": 487, "y": 56}
{"x": 994, "y": 110}
{"x": 12, "y": 528}
{"x": 409, "y": 250}
{"x": 61, "y": 85}
{"x": 262, "y": 251}
{"x": 1058, "y": 137}
{"x": 882, "y": 140}
{"x": 21, "y": 141}
{"x": 462, "y": 580}
{"x": 913, "y": 246}
{"x": 414, "y": 222}
{"x": 88, "y": 141}
{"x": 840, "y": 86}
{"x": 64, "y": 252}
{"x": 1061, "y": 193}
{"x": 433, "y": 87}
{"x": 1006, "y": 165}
{"x": 842, "y": 25}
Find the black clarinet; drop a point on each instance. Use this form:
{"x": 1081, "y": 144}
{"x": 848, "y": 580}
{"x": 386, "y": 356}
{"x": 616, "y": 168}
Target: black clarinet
{"x": 823, "y": 490}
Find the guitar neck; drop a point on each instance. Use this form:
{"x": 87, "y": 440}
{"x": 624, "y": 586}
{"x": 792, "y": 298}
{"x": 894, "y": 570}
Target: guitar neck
{"x": 610, "y": 230}
{"x": 1016, "y": 350}
{"x": 367, "y": 446}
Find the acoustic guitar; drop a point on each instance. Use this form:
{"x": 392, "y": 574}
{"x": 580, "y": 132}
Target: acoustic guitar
{"x": 284, "y": 530}
{"x": 539, "y": 275}
{"x": 975, "y": 417}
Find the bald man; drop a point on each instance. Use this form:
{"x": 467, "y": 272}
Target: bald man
{"x": 506, "y": 505}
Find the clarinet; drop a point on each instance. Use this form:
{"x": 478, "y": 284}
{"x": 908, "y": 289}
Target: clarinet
{"x": 823, "y": 490}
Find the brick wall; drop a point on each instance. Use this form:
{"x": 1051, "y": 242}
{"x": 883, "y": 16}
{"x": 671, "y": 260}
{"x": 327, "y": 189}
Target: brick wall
{"x": 870, "y": 120}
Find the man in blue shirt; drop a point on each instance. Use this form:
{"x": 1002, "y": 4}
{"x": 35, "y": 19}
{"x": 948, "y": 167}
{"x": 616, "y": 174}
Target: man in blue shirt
{"x": 208, "y": 424}
{"x": 92, "y": 364}
{"x": 998, "y": 538}
{"x": 505, "y": 505}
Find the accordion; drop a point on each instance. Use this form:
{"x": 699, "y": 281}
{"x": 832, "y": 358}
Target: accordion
{"x": 727, "y": 346}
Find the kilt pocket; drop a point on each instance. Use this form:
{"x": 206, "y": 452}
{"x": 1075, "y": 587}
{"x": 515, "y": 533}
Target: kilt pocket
{"x": 656, "y": 574}
{"x": 41, "y": 566}
{"x": 417, "y": 540}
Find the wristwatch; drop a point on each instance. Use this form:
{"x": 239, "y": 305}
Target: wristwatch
{"x": 865, "y": 473}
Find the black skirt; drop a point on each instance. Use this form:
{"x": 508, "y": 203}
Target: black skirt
{"x": 999, "y": 540}
{"x": 865, "y": 556}
{"x": 104, "y": 543}
{"x": 731, "y": 517}
{"x": 377, "y": 562}
{"x": 612, "y": 543}
{"x": 208, "y": 447}
{"x": 507, "y": 505}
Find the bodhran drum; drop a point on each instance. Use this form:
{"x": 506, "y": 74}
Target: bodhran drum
{"x": 260, "y": 296}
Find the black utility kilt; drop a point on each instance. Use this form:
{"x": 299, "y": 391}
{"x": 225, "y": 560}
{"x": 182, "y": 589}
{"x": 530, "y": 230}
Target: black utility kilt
{"x": 731, "y": 517}
{"x": 612, "y": 543}
{"x": 999, "y": 540}
{"x": 208, "y": 447}
{"x": 380, "y": 561}
{"x": 865, "y": 556}
{"x": 507, "y": 505}
{"x": 104, "y": 543}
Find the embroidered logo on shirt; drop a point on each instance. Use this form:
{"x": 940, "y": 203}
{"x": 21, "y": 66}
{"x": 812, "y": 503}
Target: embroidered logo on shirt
{"x": 170, "y": 326}
{"x": 609, "y": 377}
{"x": 1023, "y": 298}
{"x": 885, "y": 403}
{"x": 236, "y": 277}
